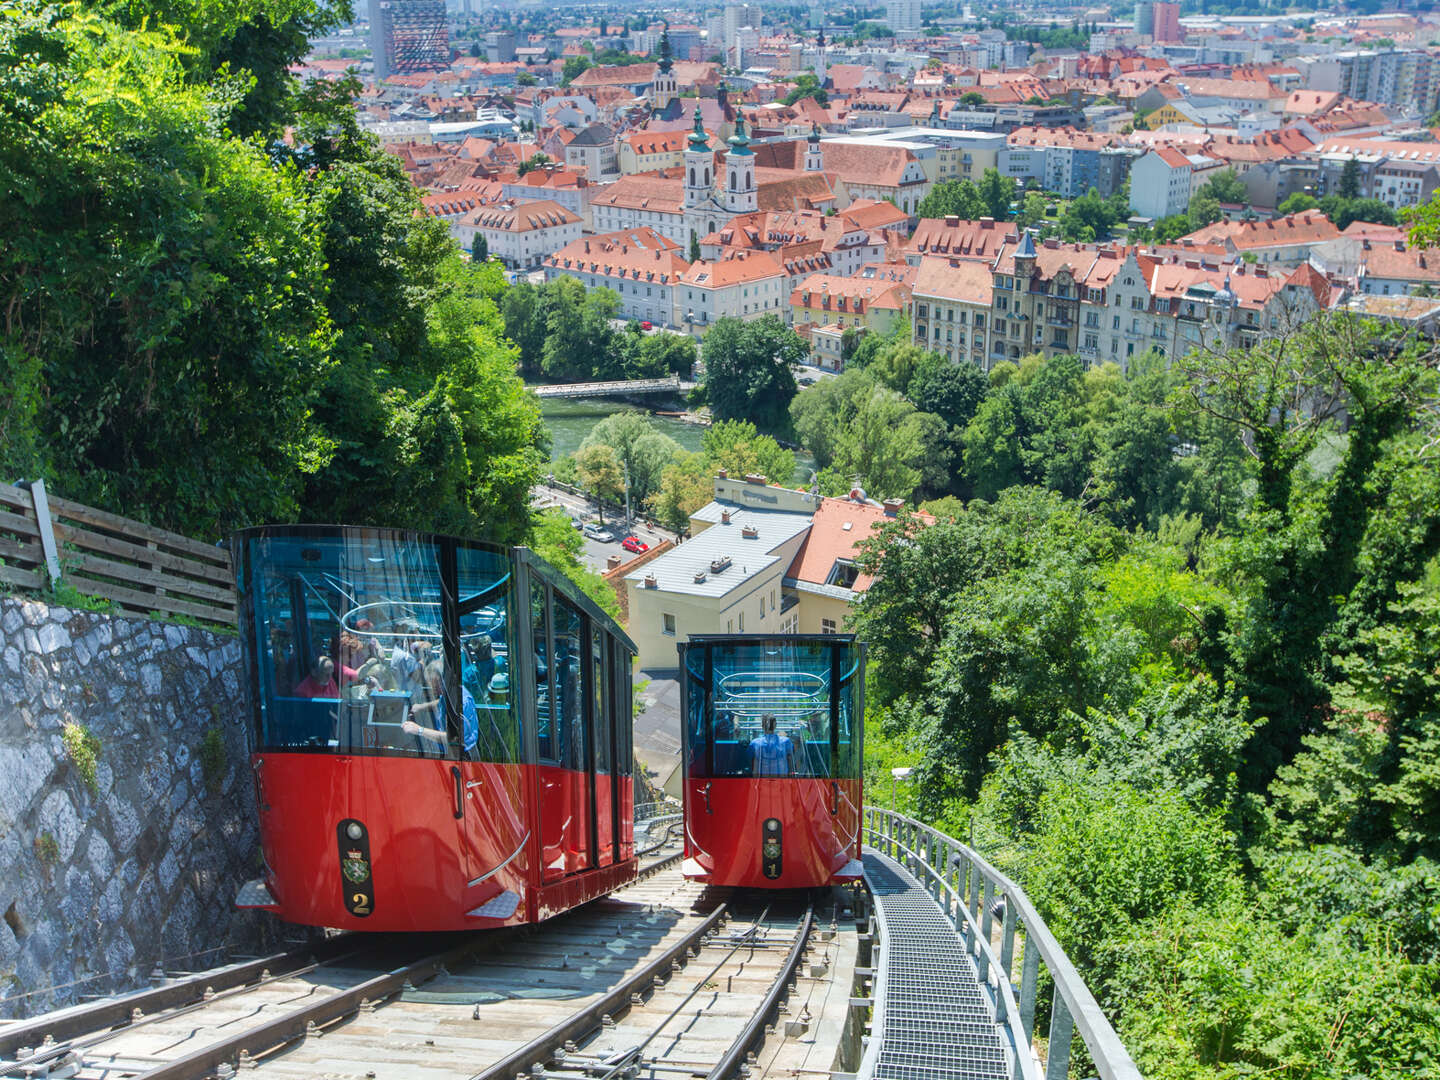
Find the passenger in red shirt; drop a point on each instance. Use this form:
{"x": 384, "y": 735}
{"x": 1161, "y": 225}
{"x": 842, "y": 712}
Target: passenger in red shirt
{"x": 320, "y": 683}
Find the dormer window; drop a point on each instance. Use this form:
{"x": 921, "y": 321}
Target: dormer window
{"x": 843, "y": 574}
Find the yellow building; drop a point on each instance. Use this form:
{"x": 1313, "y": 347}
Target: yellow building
{"x": 761, "y": 559}
{"x": 875, "y": 302}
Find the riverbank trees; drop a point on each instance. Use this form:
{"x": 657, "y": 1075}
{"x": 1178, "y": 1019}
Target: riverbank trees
{"x": 565, "y": 333}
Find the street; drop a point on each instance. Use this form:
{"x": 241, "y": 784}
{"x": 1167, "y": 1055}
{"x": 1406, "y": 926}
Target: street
{"x": 596, "y": 553}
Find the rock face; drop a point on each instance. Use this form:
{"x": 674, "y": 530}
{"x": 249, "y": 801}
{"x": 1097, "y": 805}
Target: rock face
{"x": 126, "y": 827}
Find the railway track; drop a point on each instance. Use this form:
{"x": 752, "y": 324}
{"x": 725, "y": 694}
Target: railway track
{"x": 663, "y": 978}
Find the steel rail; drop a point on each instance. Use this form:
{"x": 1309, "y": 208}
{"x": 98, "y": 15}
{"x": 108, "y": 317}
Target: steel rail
{"x": 755, "y": 1028}
{"x": 571, "y": 1029}
{"x": 295, "y": 1024}
{"x": 51, "y": 1053}
{"x": 117, "y": 1012}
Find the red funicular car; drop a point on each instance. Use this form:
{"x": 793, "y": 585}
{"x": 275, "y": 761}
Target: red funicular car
{"x": 441, "y": 731}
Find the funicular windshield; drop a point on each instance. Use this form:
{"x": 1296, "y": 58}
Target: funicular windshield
{"x": 781, "y": 706}
{"x": 373, "y": 641}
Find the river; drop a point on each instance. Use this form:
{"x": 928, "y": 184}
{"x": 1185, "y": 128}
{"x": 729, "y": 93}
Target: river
{"x": 570, "y": 420}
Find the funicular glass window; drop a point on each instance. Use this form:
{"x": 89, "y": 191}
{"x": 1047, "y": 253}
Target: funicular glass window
{"x": 789, "y": 682}
{"x": 570, "y": 651}
{"x": 544, "y": 685}
{"x": 624, "y": 683}
{"x": 487, "y": 652}
{"x": 601, "y": 695}
{"x": 347, "y": 630}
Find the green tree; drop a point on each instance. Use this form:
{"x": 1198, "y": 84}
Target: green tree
{"x": 694, "y": 247}
{"x": 1298, "y": 204}
{"x": 533, "y": 162}
{"x": 996, "y": 192}
{"x": 1032, "y": 210}
{"x": 807, "y": 85}
{"x": 971, "y": 98}
{"x": 642, "y": 450}
{"x": 600, "y": 473}
{"x": 748, "y": 369}
{"x": 1226, "y": 187}
{"x": 686, "y": 484}
{"x": 574, "y": 67}
{"x": 737, "y": 447}
{"x": 957, "y": 197}
{"x": 554, "y": 539}
{"x": 951, "y": 391}
{"x": 1170, "y": 229}
{"x": 480, "y": 251}
{"x": 1204, "y": 210}
{"x": 1350, "y": 179}
{"x": 579, "y": 341}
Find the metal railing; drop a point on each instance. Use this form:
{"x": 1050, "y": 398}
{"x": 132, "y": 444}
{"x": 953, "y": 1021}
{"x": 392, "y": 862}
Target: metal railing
{"x": 967, "y": 889}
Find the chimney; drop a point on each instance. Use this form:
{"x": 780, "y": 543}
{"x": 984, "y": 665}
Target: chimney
{"x": 987, "y": 222}
{"x": 952, "y": 219}
{"x": 650, "y": 582}
{"x": 756, "y": 478}
{"x": 724, "y": 517}
{"x": 612, "y": 562}
{"x": 721, "y": 474}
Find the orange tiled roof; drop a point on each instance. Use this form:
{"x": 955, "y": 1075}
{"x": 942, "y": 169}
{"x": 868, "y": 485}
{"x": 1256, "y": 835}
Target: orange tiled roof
{"x": 837, "y": 530}
{"x": 636, "y": 254}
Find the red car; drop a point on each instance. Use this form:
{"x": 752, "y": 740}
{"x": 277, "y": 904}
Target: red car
{"x": 635, "y": 544}
{"x": 647, "y": 325}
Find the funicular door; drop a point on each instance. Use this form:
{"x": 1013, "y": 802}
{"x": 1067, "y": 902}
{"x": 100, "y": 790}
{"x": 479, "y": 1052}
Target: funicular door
{"x": 601, "y": 698}
{"x": 490, "y": 784}
{"x": 565, "y": 788}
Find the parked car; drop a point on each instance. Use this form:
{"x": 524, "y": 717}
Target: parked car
{"x": 635, "y": 544}
{"x": 647, "y": 325}
{"x": 598, "y": 532}
{"x": 577, "y": 523}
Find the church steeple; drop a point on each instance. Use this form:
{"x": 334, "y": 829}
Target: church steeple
{"x": 740, "y": 194}
{"x": 665, "y": 88}
{"x": 814, "y": 160}
{"x": 699, "y": 161}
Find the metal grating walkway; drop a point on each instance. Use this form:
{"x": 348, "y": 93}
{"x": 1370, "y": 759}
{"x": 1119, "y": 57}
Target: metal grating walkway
{"x": 932, "y": 1019}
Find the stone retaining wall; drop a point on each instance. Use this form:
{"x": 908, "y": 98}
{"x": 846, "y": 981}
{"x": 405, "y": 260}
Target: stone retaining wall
{"x": 126, "y": 827}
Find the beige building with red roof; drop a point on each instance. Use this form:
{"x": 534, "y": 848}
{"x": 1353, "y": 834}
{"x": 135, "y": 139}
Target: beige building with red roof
{"x": 953, "y": 297}
{"x": 642, "y": 266}
{"x": 521, "y": 235}
{"x": 1281, "y": 241}
{"x": 875, "y": 303}
{"x": 762, "y": 559}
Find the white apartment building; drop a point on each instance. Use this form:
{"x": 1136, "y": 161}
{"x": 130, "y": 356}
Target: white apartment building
{"x": 744, "y": 285}
{"x": 1160, "y": 184}
{"x": 521, "y": 234}
{"x": 639, "y": 264}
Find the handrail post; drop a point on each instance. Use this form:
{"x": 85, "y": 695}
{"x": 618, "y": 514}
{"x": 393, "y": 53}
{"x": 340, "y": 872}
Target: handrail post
{"x": 1029, "y": 980}
{"x": 1007, "y": 941}
{"x": 1062, "y": 1028}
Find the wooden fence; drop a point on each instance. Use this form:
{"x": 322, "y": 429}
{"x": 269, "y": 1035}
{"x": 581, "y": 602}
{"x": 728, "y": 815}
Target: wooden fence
{"x": 140, "y": 568}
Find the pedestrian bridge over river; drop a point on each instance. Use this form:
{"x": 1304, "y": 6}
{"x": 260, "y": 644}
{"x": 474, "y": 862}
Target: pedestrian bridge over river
{"x": 618, "y": 388}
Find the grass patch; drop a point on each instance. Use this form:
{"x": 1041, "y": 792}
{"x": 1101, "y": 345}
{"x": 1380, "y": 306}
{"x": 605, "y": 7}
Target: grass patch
{"x": 213, "y": 760}
{"x": 84, "y": 750}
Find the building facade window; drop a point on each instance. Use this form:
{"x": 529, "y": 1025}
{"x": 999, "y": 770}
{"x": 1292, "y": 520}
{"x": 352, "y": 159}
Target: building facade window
{"x": 667, "y": 624}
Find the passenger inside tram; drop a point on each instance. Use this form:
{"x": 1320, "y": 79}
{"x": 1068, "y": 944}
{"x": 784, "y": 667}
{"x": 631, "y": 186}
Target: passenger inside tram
{"x": 375, "y": 605}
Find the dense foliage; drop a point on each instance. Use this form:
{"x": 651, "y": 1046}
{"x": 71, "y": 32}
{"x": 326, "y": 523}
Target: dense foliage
{"x": 566, "y": 333}
{"x": 209, "y": 324}
{"x": 1178, "y": 669}
{"x": 748, "y": 369}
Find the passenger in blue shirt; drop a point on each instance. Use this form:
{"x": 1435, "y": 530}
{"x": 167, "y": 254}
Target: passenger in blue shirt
{"x": 470, "y": 727}
{"x": 771, "y": 754}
